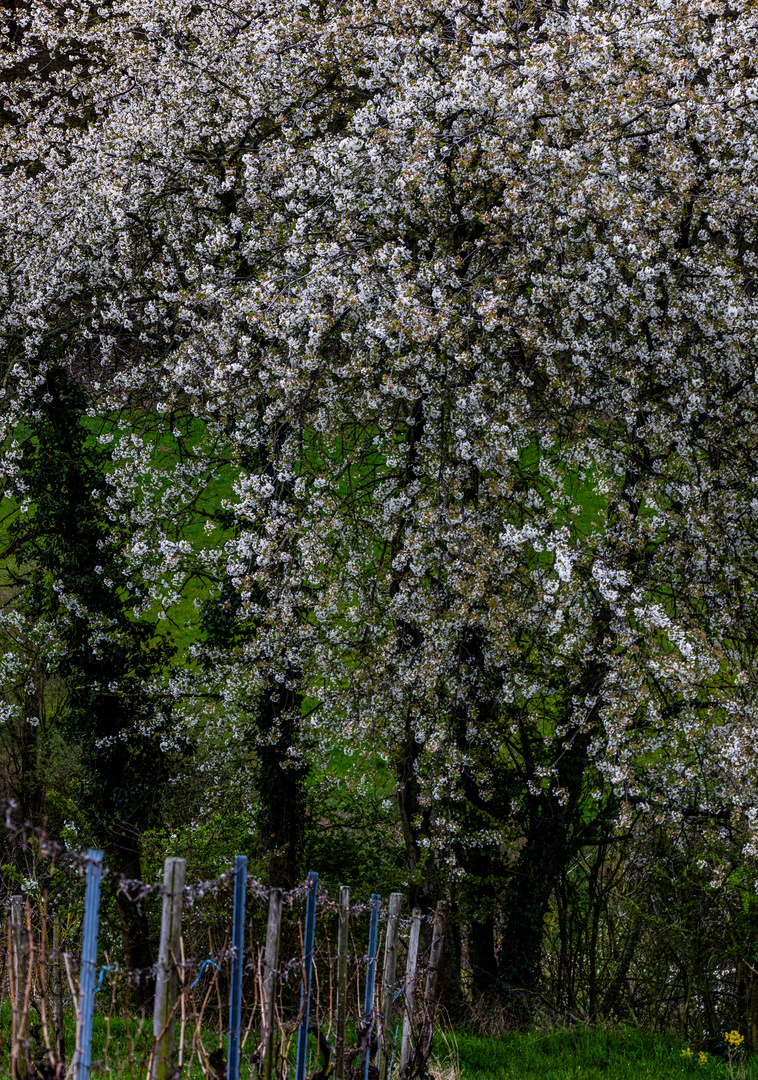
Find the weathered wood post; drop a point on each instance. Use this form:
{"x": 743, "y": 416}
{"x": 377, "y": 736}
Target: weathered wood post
{"x": 60, "y": 1038}
{"x": 430, "y": 992}
{"x": 389, "y": 978}
{"x": 20, "y": 1063}
{"x": 343, "y": 948}
{"x": 12, "y": 990}
{"x": 238, "y": 950}
{"x": 305, "y": 996}
{"x": 409, "y": 990}
{"x": 19, "y": 944}
{"x": 269, "y": 984}
{"x": 89, "y": 963}
{"x": 174, "y": 871}
{"x": 368, "y": 1005}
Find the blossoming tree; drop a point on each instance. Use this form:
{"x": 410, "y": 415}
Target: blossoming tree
{"x": 458, "y": 301}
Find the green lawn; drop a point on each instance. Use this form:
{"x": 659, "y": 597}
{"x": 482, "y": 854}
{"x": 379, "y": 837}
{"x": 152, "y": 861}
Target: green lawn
{"x": 563, "y": 1054}
{"x": 580, "y": 1054}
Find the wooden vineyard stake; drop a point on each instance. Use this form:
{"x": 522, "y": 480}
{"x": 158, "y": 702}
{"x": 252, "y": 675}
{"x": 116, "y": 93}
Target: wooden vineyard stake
{"x": 238, "y": 948}
{"x": 377, "y": 1003}
{"x": 89, "y": 963}
{"x": 20, "y": 1067}
{"x": 305, "y": 996}
{"x": 409, "y": 988}
{"x": 343, "y": 945}
{"x": 389, "y": 976}
{"x": 368, "y": 1005}
{"x": 12, "y": 989}
{"x": 42, "y": 979}
{"x": 430, "y": 992}
{"x": 268, "y": 989}
{"x": 166, "y": 980}
{"x": 17, "y": 928}
{"x": 60, "y": 1039}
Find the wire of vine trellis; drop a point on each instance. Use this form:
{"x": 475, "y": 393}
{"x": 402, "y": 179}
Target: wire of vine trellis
{"x": 103, "y": 969}
{"x": 203, "y": 966}
{"x": 137, "y": 891}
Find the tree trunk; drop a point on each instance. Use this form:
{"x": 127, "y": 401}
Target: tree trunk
{"x": 749, "y": 988}
{"x": 424, "y": 890}
{"x": 526, "y": 903}
{"x": 281, "y": 786}
{"x": 612, "y": 1002}
{"x": 124, "y": 855}
{"x": 482, "y": 956}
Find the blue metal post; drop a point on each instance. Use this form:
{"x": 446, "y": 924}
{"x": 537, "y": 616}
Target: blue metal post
{"x": 238, "y": 946}
{"x": 368, "y": 1006}
{"x": 305, "y": 996}
{"x": 89, "y": 963}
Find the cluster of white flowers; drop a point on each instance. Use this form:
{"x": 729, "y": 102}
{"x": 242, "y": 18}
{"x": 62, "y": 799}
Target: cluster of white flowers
{"x": 437, "y": 321}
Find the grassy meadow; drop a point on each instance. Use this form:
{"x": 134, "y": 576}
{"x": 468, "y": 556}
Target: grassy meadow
{"x": 581, "y": 1053}
{"x": 578, "y": 1053}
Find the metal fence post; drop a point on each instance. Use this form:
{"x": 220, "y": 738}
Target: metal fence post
{"x": 89, "y": 963}
{"x": 305, "y": 996}
{"x": 238, "y": 947}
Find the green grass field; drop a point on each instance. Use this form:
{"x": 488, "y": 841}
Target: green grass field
{"x": 579, "y": 1053}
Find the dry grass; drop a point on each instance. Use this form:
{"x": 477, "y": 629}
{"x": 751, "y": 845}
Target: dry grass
{"x": 446, "y": 1062}
{"x": 488, "y": 1016}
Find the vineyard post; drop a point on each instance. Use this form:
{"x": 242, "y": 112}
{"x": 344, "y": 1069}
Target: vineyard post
{"x": 17, "y": 924}
{"x": 430, "y": 993}
{"x": 270, "y": 962}
{"x": 368, "y": 1005}
{"x": 60, "y": 1038}
{"x": 388, "y": 980}
{"x": 89, "y": 963}
{"x": 410, "y": 984}
{"x": 305, "y": 996}
{"x": 174, "y": 871}
{"x": 238, "y": 947}
{"x": 20, "y": 1065}
{"x": 343, "y": 945}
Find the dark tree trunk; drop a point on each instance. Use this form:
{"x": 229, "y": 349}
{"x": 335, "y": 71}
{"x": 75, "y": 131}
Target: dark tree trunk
{"x": 551, "y": 839}
{"x": 748, "y": 992}
{"x": 415, "y": 821}
{"x": 281, "y": 785}
{"x": 482, "y": 863}
{"x": 481, "y": 954}
{"x": 124, "y": 855}
{"x": 525, "y": 904}
{"x": 612, "y": 1005}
